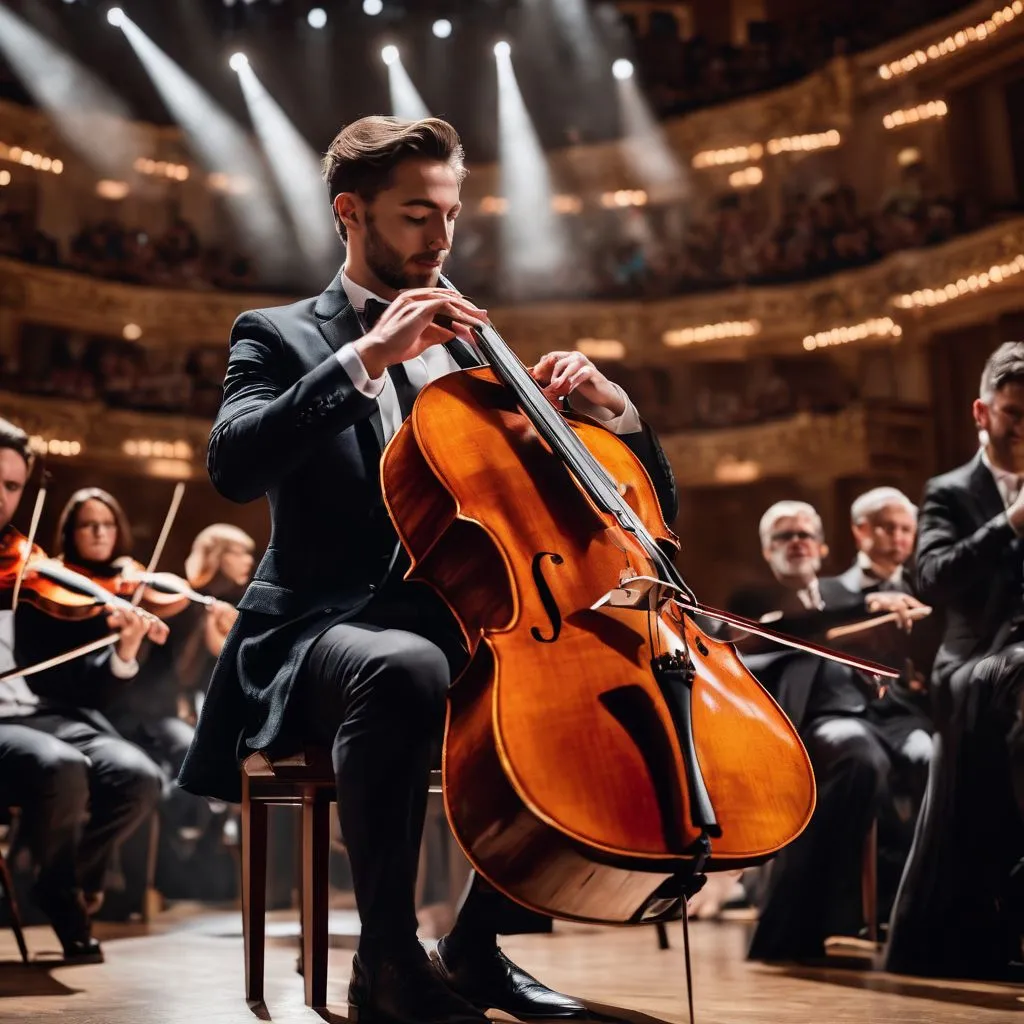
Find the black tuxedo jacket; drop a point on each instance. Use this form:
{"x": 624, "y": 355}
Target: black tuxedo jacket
{"x": 969, "y": 563}
{"x": 294, "y": 428}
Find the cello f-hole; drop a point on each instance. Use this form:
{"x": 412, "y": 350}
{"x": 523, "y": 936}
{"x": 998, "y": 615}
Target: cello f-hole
{"x": 546, "y": 597}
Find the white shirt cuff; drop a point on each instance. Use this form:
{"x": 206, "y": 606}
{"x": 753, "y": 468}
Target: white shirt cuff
{"x": 361, "y": 380}
{"x": 627, "y": 422}
{"x": 121, "y": 669}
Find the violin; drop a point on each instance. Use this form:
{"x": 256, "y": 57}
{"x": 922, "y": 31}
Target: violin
{"x": 601, "y": 751}
{"x": 49, "y": 585}
{"x": 163, "y": 593}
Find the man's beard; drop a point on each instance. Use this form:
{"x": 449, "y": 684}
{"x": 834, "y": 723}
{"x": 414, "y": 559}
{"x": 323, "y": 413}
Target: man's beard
{"x": 793, "y": 567}
{"x": 389, "y": 266}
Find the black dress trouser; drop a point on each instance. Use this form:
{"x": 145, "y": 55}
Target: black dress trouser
{"x": 374, "y": 689}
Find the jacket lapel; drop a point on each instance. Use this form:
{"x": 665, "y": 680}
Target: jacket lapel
{"x": 339, "y": 324}
{"x": 982, "y": 486}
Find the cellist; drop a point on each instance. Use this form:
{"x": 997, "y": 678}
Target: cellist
{"x": 331, "y": 645}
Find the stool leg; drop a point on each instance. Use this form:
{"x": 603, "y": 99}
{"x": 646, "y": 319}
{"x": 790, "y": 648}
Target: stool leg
{"x": 662, "y": 931}
{"x": 12, "y": 904}
{"x": 316, "y": 848}
{"x": 869, "y": 882}
{"x": 254, "y": 893}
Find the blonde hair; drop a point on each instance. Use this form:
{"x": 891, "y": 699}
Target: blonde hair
{"x": 208, "y": 549}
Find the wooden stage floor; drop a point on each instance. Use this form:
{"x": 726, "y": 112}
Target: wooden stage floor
{"x": 186, "y": 968}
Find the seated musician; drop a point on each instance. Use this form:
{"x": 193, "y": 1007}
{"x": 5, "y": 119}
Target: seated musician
{"x": 854, "y": 739}
{"x": 959, "y": 910}
{"x": 158, "y": 713}
{"x": 58, "y": 769}
{"x": 331, "y": 646}
{"x": 125, "y": 784}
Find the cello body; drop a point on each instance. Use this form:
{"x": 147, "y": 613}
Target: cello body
{"x": 564, "y": 771}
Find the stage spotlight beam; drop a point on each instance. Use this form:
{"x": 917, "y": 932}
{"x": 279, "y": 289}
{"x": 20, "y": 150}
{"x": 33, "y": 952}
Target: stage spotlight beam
{"x": 296, "y": 169}
{"x": 406, "y": 101}
{"x": 238, "y": 61}
{"x": 222, "y": 147}
{"x": 389, "y": 54}
{"x": 94, "y": 121}
{"x": 622, "y": 69}
{"x": 115, "y": 16}
{"x": 533, "y": 241}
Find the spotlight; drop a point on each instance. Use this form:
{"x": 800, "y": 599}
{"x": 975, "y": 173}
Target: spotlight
{"x": 373, "y": 7}
{"x": 502, "y": 49}
{"x": 69, "y": 1}
{"x": 115, "y": 16}
{"x": 389, "y": 54}
{"x": 622, "y": 69}
{"x": 238, "y": 61}
{"x": 317, "y": 17}
{"x": 442, "y": 28}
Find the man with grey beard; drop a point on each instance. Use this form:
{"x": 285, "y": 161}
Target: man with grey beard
{"x": 854, "y": 738}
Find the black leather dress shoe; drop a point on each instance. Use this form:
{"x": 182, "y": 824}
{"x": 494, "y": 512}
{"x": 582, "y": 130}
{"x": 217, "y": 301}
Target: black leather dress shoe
{"x": 493, "y": 982}
{"x": 70, "y": 922}
{"x": 406, "y": 991}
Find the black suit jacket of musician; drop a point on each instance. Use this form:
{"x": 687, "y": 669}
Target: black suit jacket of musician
{"x": 294, "y": 428}
{"x": 970, "y": 563}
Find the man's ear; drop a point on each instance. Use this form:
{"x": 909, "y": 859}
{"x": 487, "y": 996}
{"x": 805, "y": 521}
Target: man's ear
{"x": 348, "y": 208}
{"x": 981, "y": 414}
{"x": 824, "y": 551}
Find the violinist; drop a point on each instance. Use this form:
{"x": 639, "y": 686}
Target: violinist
{"x": 855, "y": 740}
{"x": 124, "y": 783}
{"x": 60, "y": 773}
{"x": 331, "y": 645}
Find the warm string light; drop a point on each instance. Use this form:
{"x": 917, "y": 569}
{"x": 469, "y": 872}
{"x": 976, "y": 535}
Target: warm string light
{"x": 565, "y": 203}
{"x": 41, "y": 446}
{"x": 624, "y": 197}
{"x": 804, "y": 143}
{"x": 732, "y": 155}
{"x": 754, "y": 151}
{"x": 877, "y": 327}
{"x": 109, "y": 189}
{"x": 161, "y": 169}
{"x": 996, "y": 274}
{"x": 494, "y": 206}
{"x": 951, "y": 44}
{"x": 144, "y": 448}
{"x": 911, "y": 115}
{"x": 601, "y": 348}
{"x": 27, "y": 158}
{"x": 711, "y": 332}
{"x": 747, "y": 178}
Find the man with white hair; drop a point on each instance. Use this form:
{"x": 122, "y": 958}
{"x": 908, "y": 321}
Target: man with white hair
{"x": 854, "y": 738}
{"x": 884, "y": 524}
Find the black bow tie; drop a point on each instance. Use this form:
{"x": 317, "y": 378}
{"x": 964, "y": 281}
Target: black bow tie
{"x": 372, "y": 312}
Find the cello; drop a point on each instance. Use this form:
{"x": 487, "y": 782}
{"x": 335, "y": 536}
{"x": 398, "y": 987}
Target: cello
{"x": 601, "y": 750}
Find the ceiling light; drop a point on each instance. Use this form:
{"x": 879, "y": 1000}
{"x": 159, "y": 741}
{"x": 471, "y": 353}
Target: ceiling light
{"x": 115, "y": 16}
{"x": 317, "y": 17}
{"x": 502, "y": 49}
{"x": 442, "y": 28}
{"x": 389, "y": 54}
{"x": 238, "y": 61}
{"x": 622, "y": 69}
{"x": 373, "y": 7}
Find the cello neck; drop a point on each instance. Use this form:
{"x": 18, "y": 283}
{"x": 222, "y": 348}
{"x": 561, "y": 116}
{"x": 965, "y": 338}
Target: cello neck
{"x": 590, "y": 475}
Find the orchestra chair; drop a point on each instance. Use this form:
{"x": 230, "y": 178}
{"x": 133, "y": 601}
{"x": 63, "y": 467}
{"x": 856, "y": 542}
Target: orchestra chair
{"x": 306, "y": 780}
{"x": 7, "y": 884}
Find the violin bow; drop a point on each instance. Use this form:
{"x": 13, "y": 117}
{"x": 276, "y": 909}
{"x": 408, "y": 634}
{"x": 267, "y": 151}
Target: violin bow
{"x": 33, "y": 529}
{"x": 161, "y": 540}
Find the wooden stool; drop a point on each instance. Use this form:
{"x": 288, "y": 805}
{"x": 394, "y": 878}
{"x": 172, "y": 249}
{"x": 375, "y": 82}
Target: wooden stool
{"x": 12, "y": 906}
{"x": 305, "y": 780}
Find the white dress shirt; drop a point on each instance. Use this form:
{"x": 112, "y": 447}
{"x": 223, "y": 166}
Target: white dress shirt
{"x": 810, "y": 596}
{"x": 1007, "y": 483}
{"x": 435, "y": 362}
{"x": 871, "y": 575}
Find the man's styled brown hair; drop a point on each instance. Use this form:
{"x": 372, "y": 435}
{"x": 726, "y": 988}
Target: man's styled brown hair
{"x": 364, "y": 154}
{"x": 1004, "y": 366}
